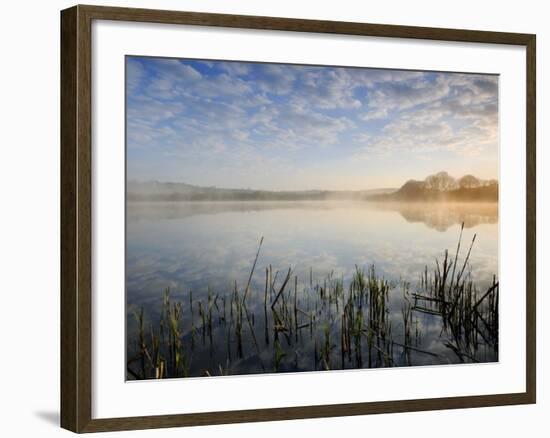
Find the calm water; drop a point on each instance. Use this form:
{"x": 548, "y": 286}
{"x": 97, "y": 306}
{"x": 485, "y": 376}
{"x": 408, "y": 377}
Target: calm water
{"x": 196, "y": 246}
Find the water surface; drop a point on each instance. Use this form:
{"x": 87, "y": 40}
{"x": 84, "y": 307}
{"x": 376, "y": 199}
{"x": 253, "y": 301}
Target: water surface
{"x": 204, "y": 246}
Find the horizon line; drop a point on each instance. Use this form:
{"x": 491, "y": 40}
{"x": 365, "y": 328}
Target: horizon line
{"x": 143, "y": 181}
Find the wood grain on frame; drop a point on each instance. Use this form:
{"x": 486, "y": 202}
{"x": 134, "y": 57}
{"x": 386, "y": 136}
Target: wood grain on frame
{"x": 76, "y": 219}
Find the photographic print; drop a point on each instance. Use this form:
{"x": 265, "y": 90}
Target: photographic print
{"x": 300, "y": 218}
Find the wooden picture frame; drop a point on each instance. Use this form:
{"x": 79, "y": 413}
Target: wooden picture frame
{"x": 76, "y": 217}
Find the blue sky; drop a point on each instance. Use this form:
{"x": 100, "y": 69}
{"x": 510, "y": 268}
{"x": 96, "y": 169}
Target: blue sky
{"x": 292, "y": 127}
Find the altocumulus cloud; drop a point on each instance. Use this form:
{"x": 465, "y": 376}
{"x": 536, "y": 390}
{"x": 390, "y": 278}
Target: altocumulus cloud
{"x": 243, "y": 124}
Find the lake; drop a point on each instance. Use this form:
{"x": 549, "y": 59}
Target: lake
{"x": 204, "y": 252}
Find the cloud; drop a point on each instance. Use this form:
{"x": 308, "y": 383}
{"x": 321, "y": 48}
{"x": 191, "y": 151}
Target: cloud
{"x": 443, "y": 126}
{"x": 275, "y": 79}
{"x": 434, "y": 112}
{"x": 327, "y": 89}
{"x": 175, "y": 69}
{"x": 400, "y": 95}
{"x": 234, "y": 68}
{"x": 134, "y": 74}
{"x": 380, "y": 113}
{"x": 239, "y": 116}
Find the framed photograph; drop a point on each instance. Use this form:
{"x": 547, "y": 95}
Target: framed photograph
{"x": 271, "y": 218}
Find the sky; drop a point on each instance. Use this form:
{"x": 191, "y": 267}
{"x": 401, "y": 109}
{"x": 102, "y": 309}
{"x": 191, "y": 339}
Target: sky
{"x": 296, "y": 127}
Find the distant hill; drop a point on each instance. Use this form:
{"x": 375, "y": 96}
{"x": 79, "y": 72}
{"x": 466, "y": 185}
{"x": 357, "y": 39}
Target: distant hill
{"x": 168, "y": 191}
{"x": 438, "y": 187}
{"x": 443, "y": 187}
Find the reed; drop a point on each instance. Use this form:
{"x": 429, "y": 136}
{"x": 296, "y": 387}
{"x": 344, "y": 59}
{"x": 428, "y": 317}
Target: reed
{"x": 317, "y": 317}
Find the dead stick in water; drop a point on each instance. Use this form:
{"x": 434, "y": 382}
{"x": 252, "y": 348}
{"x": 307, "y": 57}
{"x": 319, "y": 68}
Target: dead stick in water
{"x": 252, "y": 270}
{"x": 295, "y": 306}
{"x": 287, "y": 278}
{"x": 491, "y": 289}
{"x": 303, "y": 312}
{"x": 403, "y": 345}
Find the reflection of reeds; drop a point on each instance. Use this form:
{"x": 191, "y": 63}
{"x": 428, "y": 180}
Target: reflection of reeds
{"x": 319, "y": 315}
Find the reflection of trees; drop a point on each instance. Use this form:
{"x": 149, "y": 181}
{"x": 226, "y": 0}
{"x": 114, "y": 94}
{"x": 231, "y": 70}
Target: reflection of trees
{"x": 436, "y": 215}
{"x": 441, "y": 216}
